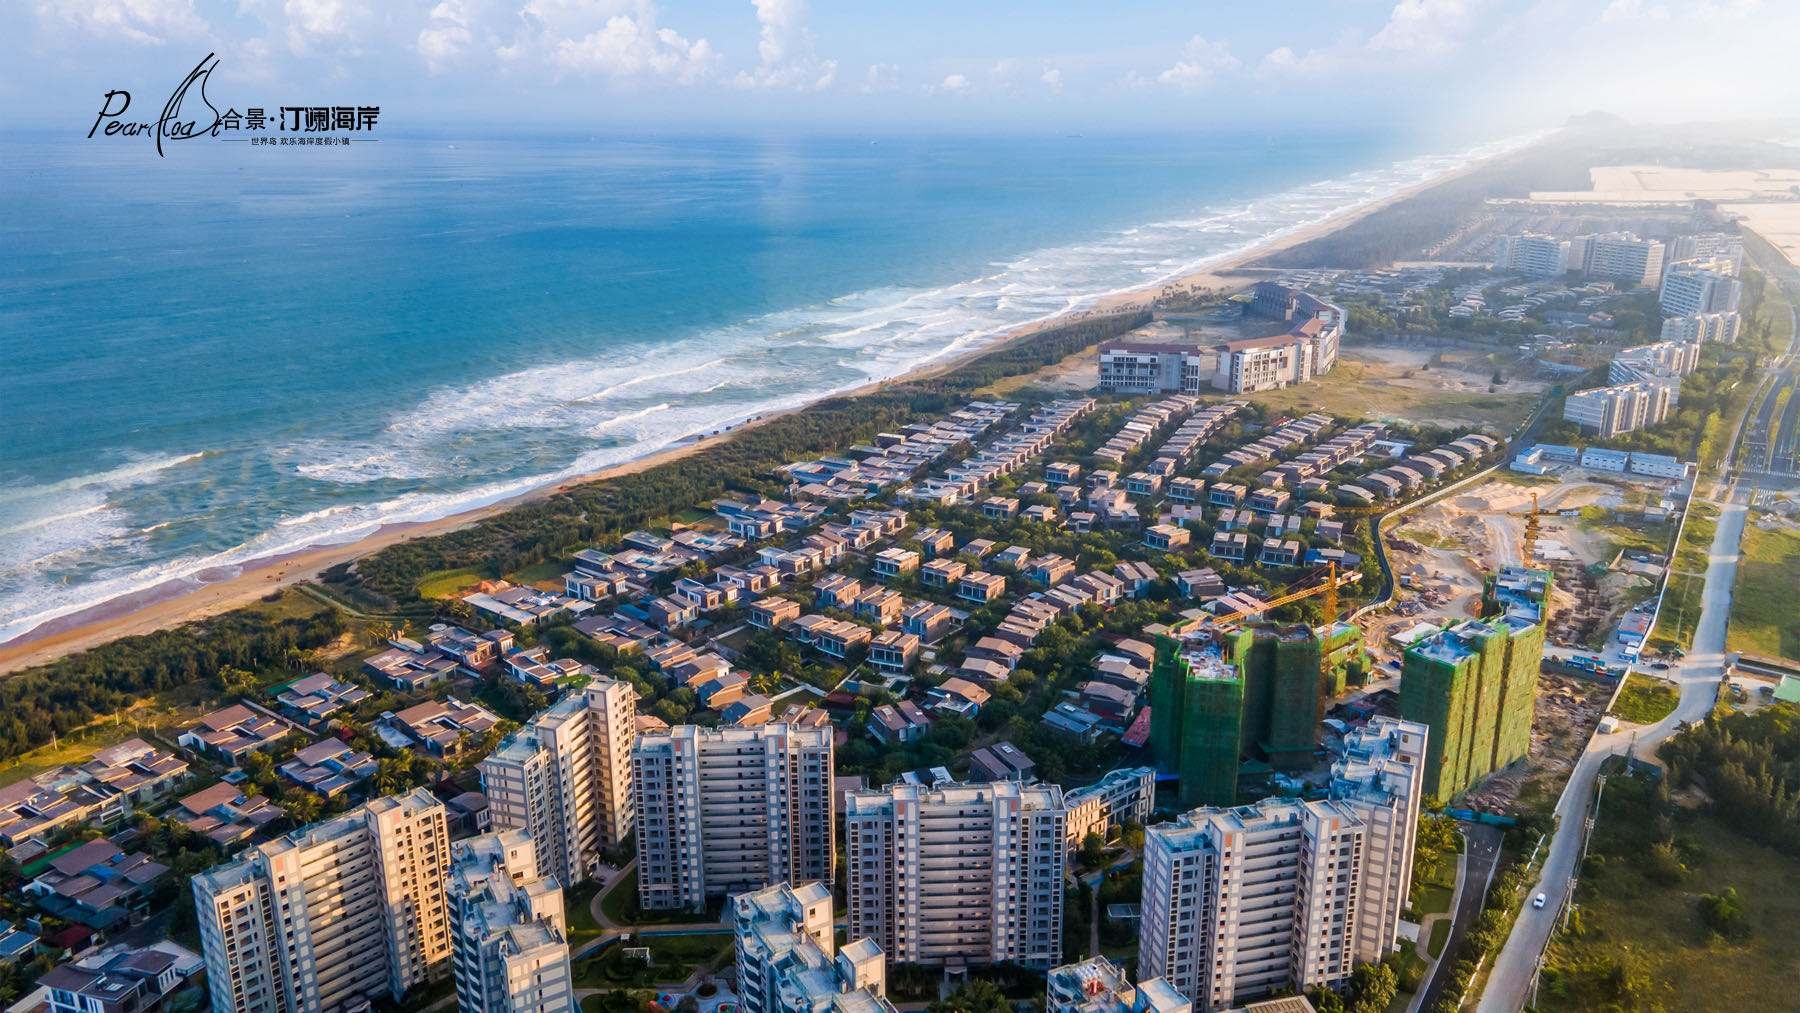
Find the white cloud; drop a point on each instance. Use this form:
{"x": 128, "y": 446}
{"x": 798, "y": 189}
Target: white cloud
{"x": 1200, "y": 62}
{"x": 1053, "y": 80}
{"x": 446, "y": 36}
{"x": 315, "y": 23}
{"x": 1429, "y": 27}
{"x": 618, "y": 39}
{"x": 881, "y": 77}
{"x": 953, "y": 84}
{"x": 146, "y": 22}
{"x": 784, "y": 50}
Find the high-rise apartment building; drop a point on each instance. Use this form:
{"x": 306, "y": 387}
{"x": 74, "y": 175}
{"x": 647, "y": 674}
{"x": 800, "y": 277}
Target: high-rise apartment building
{"x": 728, "y": 810}
{"x": 1653, "y": 361}
{"x": 509, "y": 943}
{"x": 1699, "y": 328}
{"x": 1474, "y": 684}
{"x": 1700, "y": 286}
{"x": 1623, "y": 257}
{"x": 788, "y": 960}
{"x": 958, "y": 872}
{"x": 1533, "y": 254}
{"x": 565, "y": 778}
{"x": 1257, "y": 690}
{"x": 1245, "y": 901}
{"x": 331, "y": 915}
{"x": 1607, "y": 412}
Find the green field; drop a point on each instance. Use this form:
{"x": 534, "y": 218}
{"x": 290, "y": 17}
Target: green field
{"x": 447, "y": 583}
{"x": 1687, "y": 578}
{"x": 1763, "y": 615}
{"x": 1645, "y": 701}
{"x": 1638, "y": 942}
{"x": 672, "y": 960}
{"x": 621, "y": 905}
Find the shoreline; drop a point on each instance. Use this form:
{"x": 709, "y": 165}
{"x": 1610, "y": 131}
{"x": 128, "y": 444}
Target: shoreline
{"x": 186, "y": 599}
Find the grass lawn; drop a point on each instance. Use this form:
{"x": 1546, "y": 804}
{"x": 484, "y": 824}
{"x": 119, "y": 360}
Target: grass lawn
{"x": 621, "y": 905}
{"x": 446, "y": 583}
{"x": 672, "y": 959}
{"x": 1641, "y": 944}
{"x": 1768, "y": 585}
{"x": 1687, "y": 578}
{"x": 1645, "y": 701}
{"x": 1432, "y": 898}
{"x": 1440, "y": 934}
{"x": 540, "y": 573}
{"x": 1368, "y": 388}
{"x": 579, "y": 914}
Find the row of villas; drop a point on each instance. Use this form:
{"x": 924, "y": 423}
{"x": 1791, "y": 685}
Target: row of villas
{"x": 895, "y": 457}
{"x": 1004, "y": 455}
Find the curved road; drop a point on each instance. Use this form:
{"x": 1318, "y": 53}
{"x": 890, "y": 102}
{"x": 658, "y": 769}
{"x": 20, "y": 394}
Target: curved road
{"x": 1698, "y": 676}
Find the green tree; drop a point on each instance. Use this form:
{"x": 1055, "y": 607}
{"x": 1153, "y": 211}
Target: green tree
{"x": 977, "y": 995}
{"x": 1093, "y": 850}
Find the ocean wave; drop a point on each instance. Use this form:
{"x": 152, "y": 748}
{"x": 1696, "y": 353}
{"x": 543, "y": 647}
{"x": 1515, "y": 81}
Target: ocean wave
{"x": 645, "y": 399}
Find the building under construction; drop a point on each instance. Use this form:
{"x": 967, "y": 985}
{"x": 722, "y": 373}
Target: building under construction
{"x": 1474, "y": 684}
{"x": 1230, "y": 694}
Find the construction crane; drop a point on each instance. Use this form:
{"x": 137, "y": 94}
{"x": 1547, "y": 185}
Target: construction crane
{"x": 1528, "y": 544}
{"x": 1328, "y": 588}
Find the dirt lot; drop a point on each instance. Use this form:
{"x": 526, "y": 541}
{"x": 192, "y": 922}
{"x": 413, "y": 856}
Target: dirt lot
{"x": 1399, "y": 383}
{"x": 1568, "y": 708}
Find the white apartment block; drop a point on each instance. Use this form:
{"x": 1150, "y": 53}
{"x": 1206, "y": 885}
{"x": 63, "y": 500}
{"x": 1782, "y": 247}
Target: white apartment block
{"x": 1623, "y": 257}
{"x": 1699, "y": 328}
{"x": 332, "y": 915}
{"x": 1242, "y": 902}
{"x": 1708, "y": 246}
{"x": 1097, "y": 985}
{"x": 1608, "y": 411}
{"x": 1700, "y": 286}
{"x": 958, "y": 873}
{"x": 1381, "y": 774}
{"x": 1534, "y": 254}
{"x": 1129, "y": 367}
{"x": 728, "y": 810}
{"x": 565, "y": 778}
{"x": 1649, "y": 362}
{"x": 1126, "y": 795}
{"x": 509, "y": 943}
{"x": 788, "y": 960}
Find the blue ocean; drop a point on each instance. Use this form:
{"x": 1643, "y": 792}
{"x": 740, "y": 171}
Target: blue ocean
{"x": 235, "y": 352}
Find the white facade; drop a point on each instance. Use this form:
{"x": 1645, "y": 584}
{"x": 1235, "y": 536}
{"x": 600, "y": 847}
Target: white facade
{"x": 1700, "y": 286}
{"x": 1647, "y": 362}
{"x": 1242, "y": 902}
{"x": 331, "y": 915}
{"x": 566, "y": 778}
{"x": 1533, "y": 254}
{"x": 1097, "y": 985}
{"x": 1126, "y": 795}
{"x": 508, "y": 935}
{"x": 958, "y": 872}
{"x": 1609, "y": 411}
{"x": 1702, "y": 327}
{"x": 1624, "y": 257}
{"x": 1154, "y": 368}
{"x": 788, "y": 960}
{"x": 729, "y": 810}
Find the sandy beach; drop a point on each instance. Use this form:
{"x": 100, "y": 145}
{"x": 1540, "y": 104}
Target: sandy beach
{"x": 185, "y": 600}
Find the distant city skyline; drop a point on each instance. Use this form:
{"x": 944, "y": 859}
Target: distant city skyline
{"x": 1441, "y": 66}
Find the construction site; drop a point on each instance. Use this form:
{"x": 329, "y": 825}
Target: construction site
{"x": 1600, "y": 536}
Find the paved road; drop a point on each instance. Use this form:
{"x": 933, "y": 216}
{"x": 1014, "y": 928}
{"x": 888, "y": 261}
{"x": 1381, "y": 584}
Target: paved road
{"x": 1481, "y": 853}
{"x": 1698, "y": 678}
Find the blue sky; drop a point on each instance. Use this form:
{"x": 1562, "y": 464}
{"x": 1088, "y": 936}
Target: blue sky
{"x": 1461, "y": 67}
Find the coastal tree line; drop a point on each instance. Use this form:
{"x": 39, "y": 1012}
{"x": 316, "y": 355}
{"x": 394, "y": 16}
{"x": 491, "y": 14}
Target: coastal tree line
{"x": 41, "y": 703}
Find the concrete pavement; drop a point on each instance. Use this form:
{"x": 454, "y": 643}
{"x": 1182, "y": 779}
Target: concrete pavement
{"x": 1698, "y": 677}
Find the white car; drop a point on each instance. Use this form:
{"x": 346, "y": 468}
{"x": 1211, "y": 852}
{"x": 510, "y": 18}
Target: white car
{"x": 1539, "y": 901}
